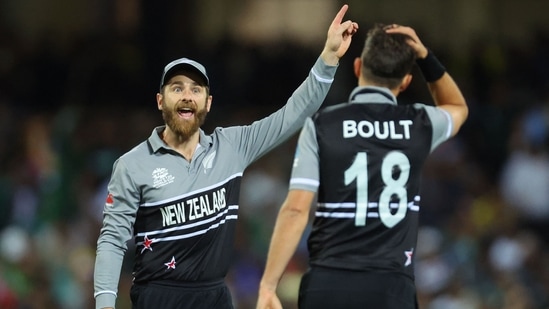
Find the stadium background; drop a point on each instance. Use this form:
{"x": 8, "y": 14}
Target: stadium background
{"x": 77, "y": 86}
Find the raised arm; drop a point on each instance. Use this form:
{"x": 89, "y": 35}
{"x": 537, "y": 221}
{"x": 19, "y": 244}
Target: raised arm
{"x": 339, "y": 38}
{"x": 444, "y": 90}
{"x": 265, "y": 134}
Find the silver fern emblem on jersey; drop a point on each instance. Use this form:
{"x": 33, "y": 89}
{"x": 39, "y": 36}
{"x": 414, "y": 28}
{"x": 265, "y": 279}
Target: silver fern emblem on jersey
{"x": 208, "y": 161}
{"x": 161, "y": 177}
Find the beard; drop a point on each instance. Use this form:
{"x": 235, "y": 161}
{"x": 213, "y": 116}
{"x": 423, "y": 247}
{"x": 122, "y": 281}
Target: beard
{"x": 184, "y": 129}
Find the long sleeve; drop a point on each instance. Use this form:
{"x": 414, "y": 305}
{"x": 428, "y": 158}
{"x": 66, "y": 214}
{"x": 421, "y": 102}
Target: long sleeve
{"x": 263, "y": 135}
{"x": 119, "y": 215}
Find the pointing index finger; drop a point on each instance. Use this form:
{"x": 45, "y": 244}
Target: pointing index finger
{"x": 339, "y": 17}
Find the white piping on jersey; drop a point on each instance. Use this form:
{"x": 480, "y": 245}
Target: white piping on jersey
{"x": 321, "y": 79}
{"x": 104, "y": 292}
{"x": 450, "y": 123}
{"x": 336, "y": 206}
{"x": 341, "y": 205}
{"x": 175, "y": 198}
{"x": 336, "y": 214}
{"x": 191, "y": 225}
{"x": 305, "y": 181}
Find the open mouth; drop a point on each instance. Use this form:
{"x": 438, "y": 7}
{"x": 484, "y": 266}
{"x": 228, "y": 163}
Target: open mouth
{"x": 185, "y": 112}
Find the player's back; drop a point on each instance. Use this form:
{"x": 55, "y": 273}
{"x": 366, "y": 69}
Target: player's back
{"x": 371, "y": 156}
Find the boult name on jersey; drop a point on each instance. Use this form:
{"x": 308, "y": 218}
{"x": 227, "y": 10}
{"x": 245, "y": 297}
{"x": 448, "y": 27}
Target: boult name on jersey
{"x": 380, "y": 129}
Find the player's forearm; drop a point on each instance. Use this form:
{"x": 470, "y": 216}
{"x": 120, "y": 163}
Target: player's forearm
{"x": 108, "y": 264}
{"x": 447, "y": 95}
{"x": 287, "y": 233}
{"x": 329, "y": 57}
{"x": 267, "y": 133}
{"x": 444, "y": 90}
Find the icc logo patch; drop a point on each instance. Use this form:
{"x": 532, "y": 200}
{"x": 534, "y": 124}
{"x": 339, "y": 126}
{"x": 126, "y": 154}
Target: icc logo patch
{"x": 161, "y": 177}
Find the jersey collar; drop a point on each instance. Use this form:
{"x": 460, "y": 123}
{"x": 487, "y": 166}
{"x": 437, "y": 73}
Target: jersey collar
{"x": 156, "y": 142}
{"x": 372, "y": 94}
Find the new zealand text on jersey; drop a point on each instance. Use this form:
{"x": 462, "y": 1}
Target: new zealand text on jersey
{"x": 381, "y": 129}
{"x": 194, "y": 208}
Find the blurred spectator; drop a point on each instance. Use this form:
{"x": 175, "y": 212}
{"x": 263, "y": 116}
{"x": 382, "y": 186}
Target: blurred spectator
{"x": 525, "y": 176}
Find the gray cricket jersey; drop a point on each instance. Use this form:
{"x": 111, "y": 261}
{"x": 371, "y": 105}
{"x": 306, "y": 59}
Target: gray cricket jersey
{"x": 180, "y": 214}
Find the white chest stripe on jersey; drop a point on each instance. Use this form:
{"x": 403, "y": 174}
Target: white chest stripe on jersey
{"x": 218, "y": 220}
{"x": 341, "y": 210}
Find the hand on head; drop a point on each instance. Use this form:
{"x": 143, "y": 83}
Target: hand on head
{"x": 414, "y": 41}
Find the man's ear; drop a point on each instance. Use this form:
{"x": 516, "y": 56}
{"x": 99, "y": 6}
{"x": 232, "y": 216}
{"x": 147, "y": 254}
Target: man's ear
{"x": 209, "y": 102}
{"x": 357, "y": 67}
{"x": 405, "y": 82}
{"x": 159, "y": 100}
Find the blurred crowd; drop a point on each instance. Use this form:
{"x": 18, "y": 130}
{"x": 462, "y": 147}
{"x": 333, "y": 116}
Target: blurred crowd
{"x": 67, "y": 113}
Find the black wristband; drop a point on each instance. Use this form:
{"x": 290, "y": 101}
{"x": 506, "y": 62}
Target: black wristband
{"x": 430, "y": 67}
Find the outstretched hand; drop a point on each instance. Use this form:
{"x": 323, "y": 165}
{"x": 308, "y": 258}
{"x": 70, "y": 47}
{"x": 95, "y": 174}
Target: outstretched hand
{"x": 414, "y": 41}
{"x": 339, "y": 37}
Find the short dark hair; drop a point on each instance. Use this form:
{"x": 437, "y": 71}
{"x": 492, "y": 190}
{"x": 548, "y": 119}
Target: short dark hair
{"x": 386, "y": 58}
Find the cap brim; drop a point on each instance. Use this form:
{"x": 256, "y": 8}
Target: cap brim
{"x": 181, "y": 68}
